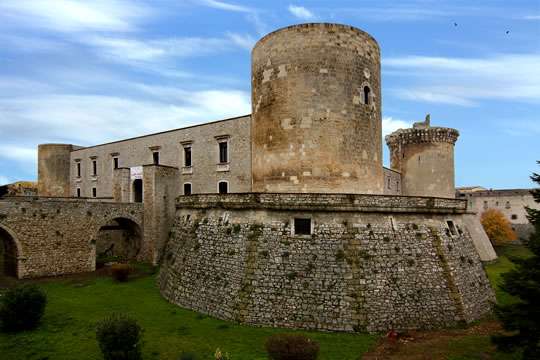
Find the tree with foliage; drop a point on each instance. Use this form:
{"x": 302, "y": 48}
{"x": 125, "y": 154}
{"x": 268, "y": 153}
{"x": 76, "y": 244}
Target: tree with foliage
{"x": 497, "y": 227}
{"x": 522, "y": 318}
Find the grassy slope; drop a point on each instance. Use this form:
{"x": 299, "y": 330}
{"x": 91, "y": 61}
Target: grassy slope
{"x": 74, "y": 307}
{"x": 67, "y": 331}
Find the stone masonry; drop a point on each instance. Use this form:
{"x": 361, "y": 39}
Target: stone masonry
{"x": 391, "y": 263}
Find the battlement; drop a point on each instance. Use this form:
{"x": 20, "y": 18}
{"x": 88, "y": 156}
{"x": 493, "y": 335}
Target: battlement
{"x": 418, "y": 135}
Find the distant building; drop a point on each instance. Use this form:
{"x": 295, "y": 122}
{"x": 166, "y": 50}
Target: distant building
{"x": 19, "y": 188}
{"x": 511, "y": 202}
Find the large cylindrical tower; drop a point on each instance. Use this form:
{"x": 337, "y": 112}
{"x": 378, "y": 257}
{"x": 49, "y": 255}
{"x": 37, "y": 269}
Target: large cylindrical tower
{"x": 425, "y": 157}
{"x": 53, "y": 169}
{"x": 316, "y": 119}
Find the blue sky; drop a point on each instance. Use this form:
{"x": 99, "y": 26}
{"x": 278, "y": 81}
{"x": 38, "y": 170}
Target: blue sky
{"x": 87, "y": 72}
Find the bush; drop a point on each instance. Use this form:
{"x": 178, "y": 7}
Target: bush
{"x": 291, "y": 347}
{"x": 497, "y": 227}
{"x": 118, "y": 337}
{"x": 22, "y": 308}
{"x": 187, "y": 356}
{"x": 120, "y": 272}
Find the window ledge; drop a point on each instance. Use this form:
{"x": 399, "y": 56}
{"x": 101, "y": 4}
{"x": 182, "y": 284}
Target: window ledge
{"x": 187, "y": 170}
{"x": 222, "y": 167}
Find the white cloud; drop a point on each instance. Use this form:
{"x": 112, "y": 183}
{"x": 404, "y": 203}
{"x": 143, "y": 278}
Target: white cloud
{"x": 5, "y": 180}
{"x": 466, "y": 81}
{"x": 18, "y": 153}
{"x": 301, "y": 12}
{"x": 73, "y": 15}
{"x": 389, "y": 125}
{"x": 245, "y": 41}
{"x": 532, "y": 17}
{"x": 225, "y": 6}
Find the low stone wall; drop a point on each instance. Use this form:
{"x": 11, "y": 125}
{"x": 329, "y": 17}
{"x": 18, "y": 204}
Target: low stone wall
{"x": 359, "y": 270}
{"x": 56, "y": 236}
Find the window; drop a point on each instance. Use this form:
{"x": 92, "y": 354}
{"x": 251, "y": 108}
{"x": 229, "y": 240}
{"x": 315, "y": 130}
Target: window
{"x": 78, "y": 192}
{"x": 94, "y": 192}
{"x": 94, "y": 167}
{"x": 187, "y": 156}
{"x": 223, "y": 152}
{"x": 187, "y": 189}
{"x": 366, "y": 94}
{"x": 78, "y": 169}
{"x": 496, "y": 203}
{"x": 223, "y": 187}
{"x": 137, "y": 190}
{"x": 115, "y": 163}
{"x": 155, "y": 157}
{"x": 508, "y": 205}
{"x": 514, "y": 217}
{"x": 302, "y": 226}
{"x": 389, "y": 183}
{"x": 452, "y": 227}
{"x": 485, "y": 205}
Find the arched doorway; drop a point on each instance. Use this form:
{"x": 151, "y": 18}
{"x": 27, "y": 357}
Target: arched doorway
{"x": 119, "y": 239}
{"x": 8, "y": 254}
{"x": 137, "y": 190}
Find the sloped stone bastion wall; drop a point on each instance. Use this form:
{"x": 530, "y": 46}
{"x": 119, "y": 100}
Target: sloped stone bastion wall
{"x": 372, "y": 262}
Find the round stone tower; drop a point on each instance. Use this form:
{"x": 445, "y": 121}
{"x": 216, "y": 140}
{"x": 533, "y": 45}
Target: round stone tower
{"x": 53, "y": 169}
{"x": 425, "y": 157}
{"x": 316, "y": 119}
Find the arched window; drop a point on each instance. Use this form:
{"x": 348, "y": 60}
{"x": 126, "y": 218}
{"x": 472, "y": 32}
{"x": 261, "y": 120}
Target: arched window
{"x": 223, "y": 187}
{"x": 367, "y": 91}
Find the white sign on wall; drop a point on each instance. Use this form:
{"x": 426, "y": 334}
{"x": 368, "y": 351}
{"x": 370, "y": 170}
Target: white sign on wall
{"x": 136, "y": 172}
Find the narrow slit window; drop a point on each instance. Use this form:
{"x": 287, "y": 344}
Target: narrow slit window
{"x": 78, "y": 169}
{"x": 94, "y": 167}
{"x": 302, "y": 226}
{"x": 452, "y": 227}
{"x": 187, "y": 189}
{"x": 94, "y": 192}
{"x": 115, "y": 163}
{"x": 367, "y": 92}
{"x": 78, "y": 192}
{"x": 155, "y": 157}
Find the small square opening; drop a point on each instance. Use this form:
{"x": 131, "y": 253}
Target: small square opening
{"x": 452, "y": 227}
{"x": 302, "y": 226}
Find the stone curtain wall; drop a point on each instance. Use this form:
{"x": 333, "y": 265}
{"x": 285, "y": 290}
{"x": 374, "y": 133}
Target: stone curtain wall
{"x": 57, "y": 236}
{"x": 360, "y": 270}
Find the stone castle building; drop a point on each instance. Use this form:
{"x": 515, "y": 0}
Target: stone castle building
{"x": 285, "y": 217}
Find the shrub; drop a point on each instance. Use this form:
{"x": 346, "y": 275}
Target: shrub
{"x": 22, "y": 308}
{"x": 118, "y": 337}
{"x": 120, "y": 272}
{"x": 497, "y": 227}
{"x": 291, "y": 347}
{"x": 219, "y": 355}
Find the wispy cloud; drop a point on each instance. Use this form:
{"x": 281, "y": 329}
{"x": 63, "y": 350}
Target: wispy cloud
{"x": 301, "y": 12}
{"x": 71, "y": 15}
{"x": 465, "y": 81}
{"x": 531, "y": 17}
{"x": 18, "y": 153}
{"x": 225, "y": 6}
{"x": 245, "y": 41}
{"x": 389, "y": 125}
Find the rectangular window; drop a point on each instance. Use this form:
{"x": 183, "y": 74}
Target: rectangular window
{"x": 187, "y": 156}
{"x": 155, "y": 156}
{"x": 302, "y": 226}
{"x": 223, "y": 187}
{"x": 187, "y": 189}
{"x": 94, "y": 167}
{"x": 223, "y": 152}
{"x": 115, "y": 163}
{"x": 94, "y": 192}
{"x": 78, "y": 192}
{"x": 514, "y": 217}
{"x": 78, "y": 169}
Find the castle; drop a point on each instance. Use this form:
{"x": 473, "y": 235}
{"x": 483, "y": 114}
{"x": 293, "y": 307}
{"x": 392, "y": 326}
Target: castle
{"x": 285, "y": 217}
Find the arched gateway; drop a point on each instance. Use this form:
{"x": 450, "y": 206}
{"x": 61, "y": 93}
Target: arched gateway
{"x": 8, "y": 254}
{"x": 120, "y": 237}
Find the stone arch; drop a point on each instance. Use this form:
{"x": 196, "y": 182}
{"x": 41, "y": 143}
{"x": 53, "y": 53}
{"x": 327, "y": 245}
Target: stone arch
{"x": 10, "y": 252}
{"x": 120, "y": 237}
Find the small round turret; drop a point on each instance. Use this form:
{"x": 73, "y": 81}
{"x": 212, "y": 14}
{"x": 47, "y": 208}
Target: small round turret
{"x": 424, "y": 156}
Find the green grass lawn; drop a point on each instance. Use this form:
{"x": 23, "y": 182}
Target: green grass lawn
{"x": 68, "y": 327}
{"x": 75, "y": 305}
